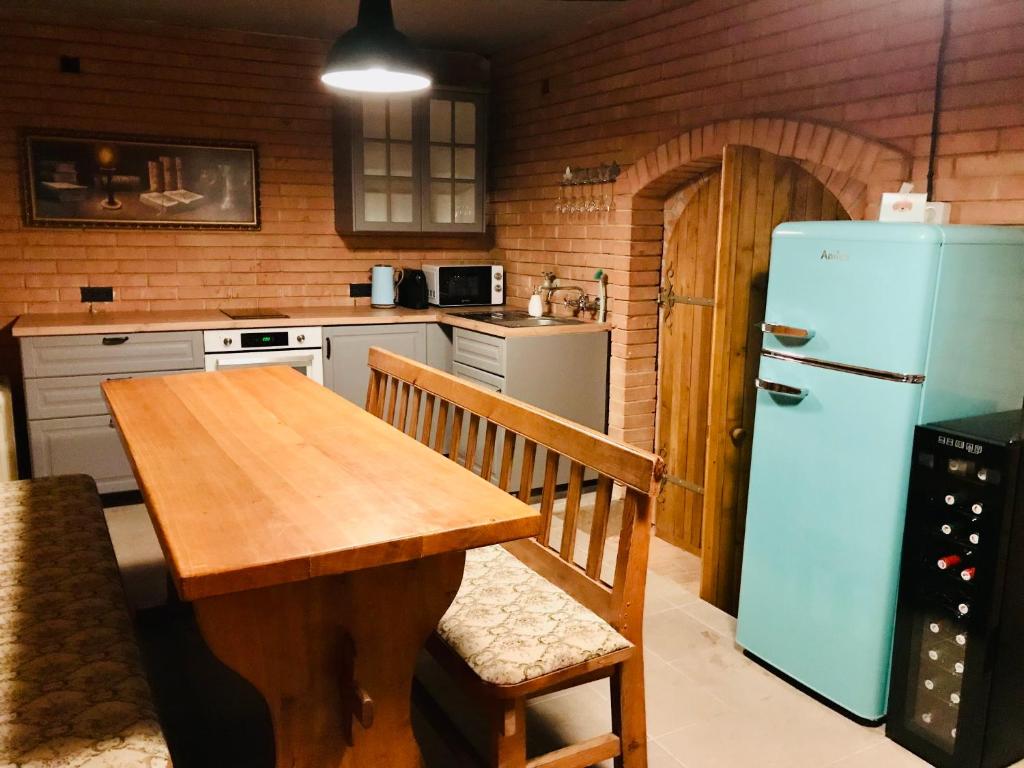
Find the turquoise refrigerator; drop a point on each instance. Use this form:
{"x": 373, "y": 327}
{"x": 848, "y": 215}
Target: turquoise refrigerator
{"x": 870, "y": 329}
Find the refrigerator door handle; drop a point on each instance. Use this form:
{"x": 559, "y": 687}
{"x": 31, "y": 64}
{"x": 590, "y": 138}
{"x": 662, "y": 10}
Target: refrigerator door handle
{"x": 774, "y": 388}
{"x": 788, "y": 331}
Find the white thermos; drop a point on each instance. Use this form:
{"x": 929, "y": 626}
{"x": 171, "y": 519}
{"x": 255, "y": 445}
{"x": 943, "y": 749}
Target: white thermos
{"x": 384, "y": 279}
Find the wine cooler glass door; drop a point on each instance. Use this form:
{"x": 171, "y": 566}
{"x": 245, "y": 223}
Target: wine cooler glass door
{"x": 936, "y": 686}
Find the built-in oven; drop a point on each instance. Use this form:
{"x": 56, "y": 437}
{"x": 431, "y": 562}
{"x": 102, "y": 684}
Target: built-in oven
{"x": 464, "y": 285}
{"x": 300, "y": 348}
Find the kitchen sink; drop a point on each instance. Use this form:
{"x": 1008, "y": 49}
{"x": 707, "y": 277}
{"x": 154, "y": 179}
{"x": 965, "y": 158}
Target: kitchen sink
{"x": 514, "y": 318}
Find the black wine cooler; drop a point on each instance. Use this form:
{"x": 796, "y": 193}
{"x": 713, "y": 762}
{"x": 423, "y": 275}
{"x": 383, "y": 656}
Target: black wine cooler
{"x": 956, "y": 696}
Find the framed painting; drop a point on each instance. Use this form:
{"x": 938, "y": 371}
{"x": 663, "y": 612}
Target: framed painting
{"x": 108, "y": 180}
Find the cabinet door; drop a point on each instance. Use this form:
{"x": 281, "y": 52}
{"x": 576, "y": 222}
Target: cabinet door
{"x": 454, "y": 163}
{"x": 346, "y": 350}
{"x": 385, "y": 172}
{"x": 86, "y": 445}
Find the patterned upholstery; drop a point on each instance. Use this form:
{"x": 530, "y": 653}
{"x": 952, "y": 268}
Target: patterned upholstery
{"x": 72, "y": 690}
{"x": 511, "y": 625}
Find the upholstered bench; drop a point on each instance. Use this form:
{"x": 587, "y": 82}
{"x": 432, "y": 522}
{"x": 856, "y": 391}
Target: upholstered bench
{"x": 72, "y": 690}
{"x": 510, "y": 625}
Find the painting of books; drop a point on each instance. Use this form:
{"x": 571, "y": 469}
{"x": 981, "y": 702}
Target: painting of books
{"x": 84, "y": 180}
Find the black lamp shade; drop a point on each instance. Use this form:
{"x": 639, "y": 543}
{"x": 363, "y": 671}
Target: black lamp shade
{"x": 375, "y": 57}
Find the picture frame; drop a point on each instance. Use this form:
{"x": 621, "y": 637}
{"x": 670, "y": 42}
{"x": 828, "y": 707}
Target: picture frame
{"x": 107, "y": 180}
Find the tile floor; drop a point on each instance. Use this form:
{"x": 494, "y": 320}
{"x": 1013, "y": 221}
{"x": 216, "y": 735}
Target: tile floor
{"x": 708, "y": 706}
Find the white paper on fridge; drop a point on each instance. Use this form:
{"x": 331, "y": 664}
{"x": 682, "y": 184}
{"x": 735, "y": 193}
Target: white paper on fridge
{"x": 903, "y": 205}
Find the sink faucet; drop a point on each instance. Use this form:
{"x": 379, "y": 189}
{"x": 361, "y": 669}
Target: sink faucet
{"x": 567, "y": 301}
{"x": 582, "y": 302}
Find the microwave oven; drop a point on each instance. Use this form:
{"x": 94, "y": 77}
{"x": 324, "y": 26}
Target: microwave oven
{"x": 464, "y": 285}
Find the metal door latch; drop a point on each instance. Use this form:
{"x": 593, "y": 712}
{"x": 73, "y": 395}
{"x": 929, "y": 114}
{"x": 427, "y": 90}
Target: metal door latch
{"x": 668, "y": 299}
{"x": 672, "y": 479}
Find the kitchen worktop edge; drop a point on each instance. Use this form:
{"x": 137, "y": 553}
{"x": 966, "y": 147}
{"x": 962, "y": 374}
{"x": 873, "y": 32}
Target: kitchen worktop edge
{"x": 141, "y": 321}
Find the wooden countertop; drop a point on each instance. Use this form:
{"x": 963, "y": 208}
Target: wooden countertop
{"x": 78, "y": 323}
{"x": 260, "y": 477}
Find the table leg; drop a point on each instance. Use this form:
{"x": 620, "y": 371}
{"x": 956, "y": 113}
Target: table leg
{"x": 313, "y": 647}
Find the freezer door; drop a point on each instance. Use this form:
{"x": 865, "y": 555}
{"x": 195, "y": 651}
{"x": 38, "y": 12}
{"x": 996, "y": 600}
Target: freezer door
{"x": 867, "y": 304}
{"x": 828, "y": 488}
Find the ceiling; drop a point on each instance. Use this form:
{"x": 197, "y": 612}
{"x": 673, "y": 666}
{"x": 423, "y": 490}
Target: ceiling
{"x": 481, "y": 26}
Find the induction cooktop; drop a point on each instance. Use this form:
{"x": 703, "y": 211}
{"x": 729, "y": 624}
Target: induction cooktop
{"x": 253, "y": 313}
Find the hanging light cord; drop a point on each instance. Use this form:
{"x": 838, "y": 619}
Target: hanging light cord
{"x": 940, "y": 65}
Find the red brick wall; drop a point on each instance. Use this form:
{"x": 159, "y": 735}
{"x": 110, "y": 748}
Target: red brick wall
{"x": 627, "y": 89}
{"x": 168, "y": 81}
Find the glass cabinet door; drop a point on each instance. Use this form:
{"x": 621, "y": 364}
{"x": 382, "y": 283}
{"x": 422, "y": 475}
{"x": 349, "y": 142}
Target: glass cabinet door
{"x": 417, "y": 164}
{"x": 386, "y": 182}
{"x": 454, "y": 163}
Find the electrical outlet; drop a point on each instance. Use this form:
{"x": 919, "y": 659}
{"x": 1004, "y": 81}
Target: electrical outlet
{"x": 97, "y": 293}
{"x": 359, "y": 289}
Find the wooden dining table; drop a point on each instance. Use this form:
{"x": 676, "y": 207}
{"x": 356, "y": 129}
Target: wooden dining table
{"x": 318, "y": 545}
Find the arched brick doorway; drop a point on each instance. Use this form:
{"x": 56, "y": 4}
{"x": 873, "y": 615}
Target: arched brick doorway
{"x": 856, "y": 169}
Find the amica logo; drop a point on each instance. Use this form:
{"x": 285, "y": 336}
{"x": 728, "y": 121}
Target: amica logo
{"x": 833, "y": 256}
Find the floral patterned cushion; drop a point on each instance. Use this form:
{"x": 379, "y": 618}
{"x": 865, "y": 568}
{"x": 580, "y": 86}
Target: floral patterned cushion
{"x": 510, "y": 625}
{"x": 72, "y": 690}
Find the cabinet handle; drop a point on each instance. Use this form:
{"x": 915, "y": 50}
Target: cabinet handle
{"x": 113, "y": 341}
{"x": 111, "y": 424}
{"x": 328, "y": 352}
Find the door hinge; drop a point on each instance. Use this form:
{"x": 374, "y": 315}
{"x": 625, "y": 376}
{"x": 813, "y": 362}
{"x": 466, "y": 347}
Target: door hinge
{"x": 667, "y": 478}
{"x": 668, "y": 299}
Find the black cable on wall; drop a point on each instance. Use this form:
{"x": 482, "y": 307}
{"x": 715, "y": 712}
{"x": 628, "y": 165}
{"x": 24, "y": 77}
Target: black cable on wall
{"x": 940, "y": 64}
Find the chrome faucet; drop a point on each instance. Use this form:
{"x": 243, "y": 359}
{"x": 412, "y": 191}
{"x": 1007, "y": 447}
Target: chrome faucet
{"x": 582, "y": 302}
{"x": 567, "y": 301}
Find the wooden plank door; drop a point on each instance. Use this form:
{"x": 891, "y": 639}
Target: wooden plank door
{"x": 688, "y": 284}
{"x": 759, "y": 190}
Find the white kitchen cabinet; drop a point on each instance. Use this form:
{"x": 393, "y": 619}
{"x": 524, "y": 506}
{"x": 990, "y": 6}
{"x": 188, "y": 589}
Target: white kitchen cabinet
{"x": 566, "y": 374}
{"x": 347, "y": 347}
{"x": 99, "y": 353}
{"x": 86, "y": 445}
{"x": 70, "y": 430}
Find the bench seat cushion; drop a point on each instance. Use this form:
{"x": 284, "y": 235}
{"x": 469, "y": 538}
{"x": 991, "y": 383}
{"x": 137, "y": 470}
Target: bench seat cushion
{"x": 72, "y": 689}
{"x": 511, "y": 625}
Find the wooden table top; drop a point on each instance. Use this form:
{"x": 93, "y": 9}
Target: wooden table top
{"x": 261, "y": 476}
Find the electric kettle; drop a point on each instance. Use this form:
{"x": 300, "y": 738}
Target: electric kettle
{"x": 384, "y": 280}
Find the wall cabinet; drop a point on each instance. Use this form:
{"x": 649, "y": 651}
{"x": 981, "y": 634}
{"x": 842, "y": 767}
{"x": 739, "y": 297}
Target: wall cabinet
{"x": 70, "y": 429}
{"x": 347, "y": 347}
{"x": 411, "y": 163}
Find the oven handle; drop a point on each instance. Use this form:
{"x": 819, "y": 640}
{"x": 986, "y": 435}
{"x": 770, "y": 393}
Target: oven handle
{"x": 261, "y": 362}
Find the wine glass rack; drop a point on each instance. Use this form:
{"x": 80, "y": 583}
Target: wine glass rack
{"x": 587, "y": 189}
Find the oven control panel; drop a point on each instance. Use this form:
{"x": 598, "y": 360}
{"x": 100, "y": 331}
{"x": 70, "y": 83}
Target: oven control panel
{"x": 252, "y": 339}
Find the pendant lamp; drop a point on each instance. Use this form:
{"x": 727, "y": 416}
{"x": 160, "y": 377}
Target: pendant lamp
{"x": 374, "y": 57}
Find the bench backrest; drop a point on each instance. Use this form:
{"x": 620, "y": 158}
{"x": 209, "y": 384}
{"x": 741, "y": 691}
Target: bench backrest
{"x": 490, "y": 433}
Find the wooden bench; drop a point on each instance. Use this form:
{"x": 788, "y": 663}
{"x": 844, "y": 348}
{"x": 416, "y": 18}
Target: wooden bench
{"x": 537, "y": 615}
{"x": 72, "y": 689}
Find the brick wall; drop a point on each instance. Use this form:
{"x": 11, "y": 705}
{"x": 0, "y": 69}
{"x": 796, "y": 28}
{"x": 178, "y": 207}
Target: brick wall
{"x": 846, "y": 87}
{"x": 168, "y": 81}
